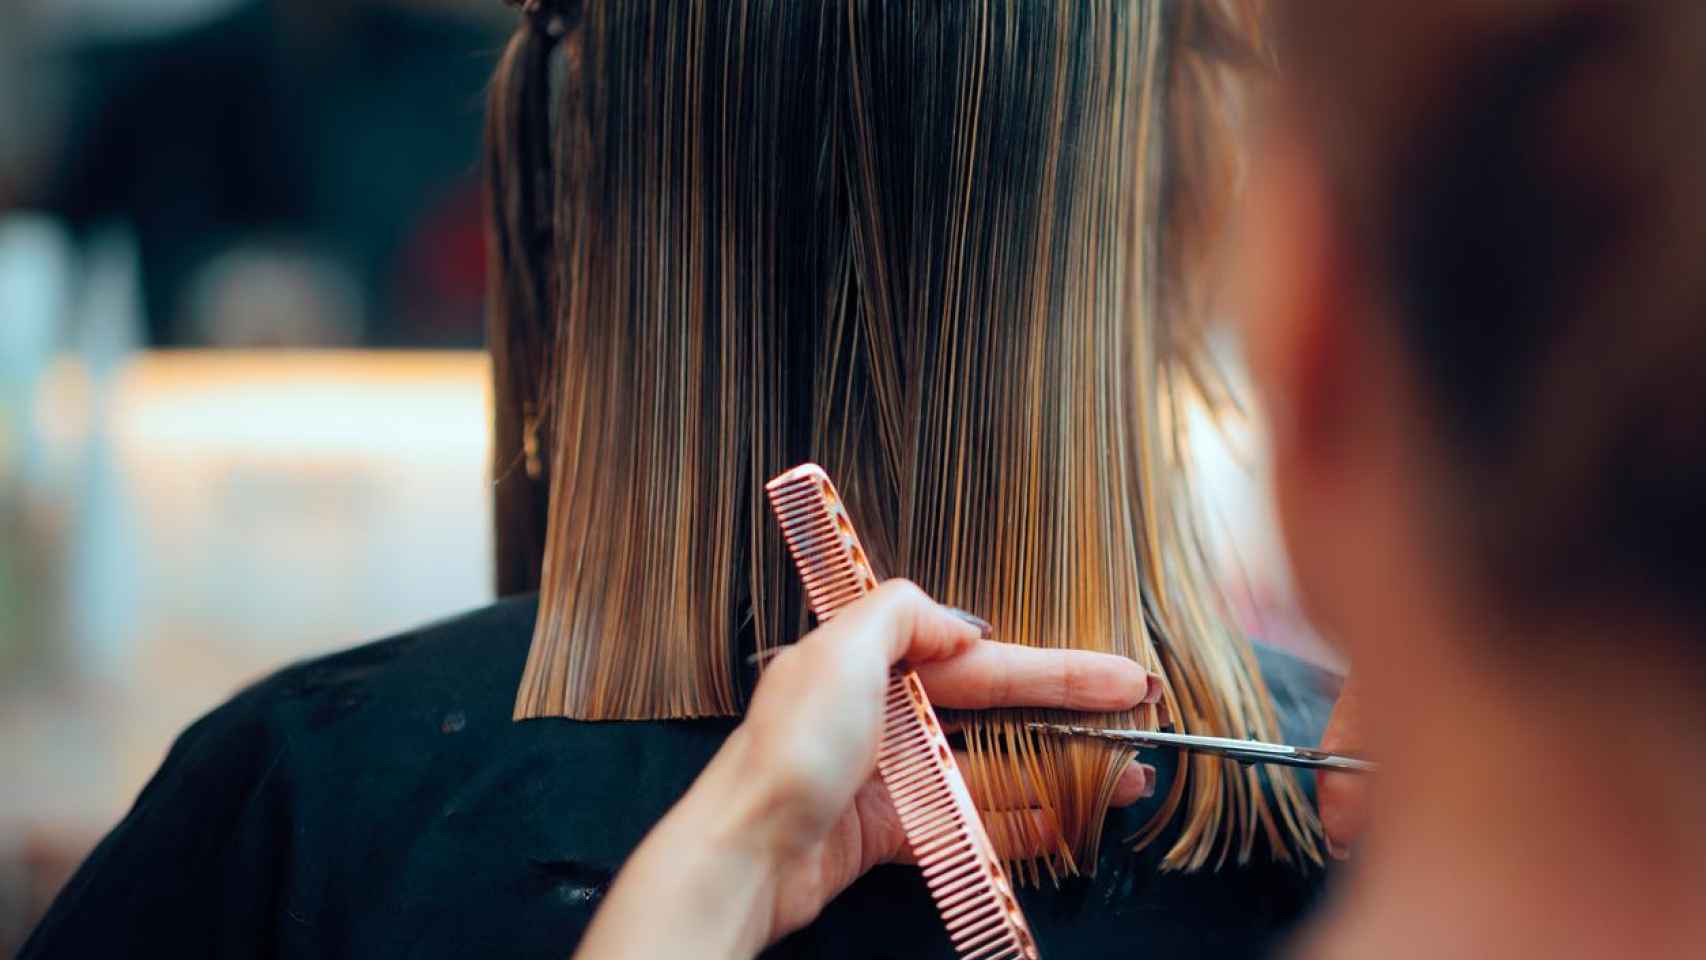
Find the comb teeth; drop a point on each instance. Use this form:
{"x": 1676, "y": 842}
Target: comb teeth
{"x": 965, "y": 878}
{"x": 821, "y": 539}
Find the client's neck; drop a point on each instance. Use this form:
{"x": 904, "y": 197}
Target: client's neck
{"x": 1545, "y": 805}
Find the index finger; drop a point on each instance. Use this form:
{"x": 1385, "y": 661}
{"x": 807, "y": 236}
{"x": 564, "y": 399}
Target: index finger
{"x": 992, "y": 674}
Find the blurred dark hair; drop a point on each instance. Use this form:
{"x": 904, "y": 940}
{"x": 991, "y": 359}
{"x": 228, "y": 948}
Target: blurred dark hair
{"x": 1527, "y": 185}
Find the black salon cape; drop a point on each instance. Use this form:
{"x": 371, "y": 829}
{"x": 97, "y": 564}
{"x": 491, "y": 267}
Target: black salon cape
{"x": 382, "y": 803}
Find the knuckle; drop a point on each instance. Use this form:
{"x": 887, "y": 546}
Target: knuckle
{"x": 997, "y": 687}
{"x": 900, "y": 590}
{"x": 898, "y": 603}
{"x": 1061, "y": 676}
{"x": 1074, "y": 681}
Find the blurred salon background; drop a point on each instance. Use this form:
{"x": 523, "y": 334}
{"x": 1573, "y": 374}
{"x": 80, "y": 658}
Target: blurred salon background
{"x": 243, "y": 407}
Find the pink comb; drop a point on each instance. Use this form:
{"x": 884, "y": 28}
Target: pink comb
{"x": 965, "y": 877}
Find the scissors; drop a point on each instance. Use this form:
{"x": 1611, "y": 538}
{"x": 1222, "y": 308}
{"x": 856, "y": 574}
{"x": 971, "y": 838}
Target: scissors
{"x": 1243, "y": 751}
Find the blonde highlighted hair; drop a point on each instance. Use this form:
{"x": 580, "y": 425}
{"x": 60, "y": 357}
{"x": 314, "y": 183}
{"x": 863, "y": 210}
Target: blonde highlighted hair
{"x": 949, "y": 251}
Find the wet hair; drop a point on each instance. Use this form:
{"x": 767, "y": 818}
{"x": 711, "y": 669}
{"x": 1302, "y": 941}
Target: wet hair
{"x": 952, "y": 252}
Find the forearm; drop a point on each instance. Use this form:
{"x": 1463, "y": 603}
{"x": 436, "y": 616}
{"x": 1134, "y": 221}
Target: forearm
{"x": 702, "y": 884}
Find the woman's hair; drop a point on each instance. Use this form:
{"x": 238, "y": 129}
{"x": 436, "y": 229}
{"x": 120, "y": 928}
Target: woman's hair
{"x": 950, "y": 251}
{"x": 1526, "y": 187}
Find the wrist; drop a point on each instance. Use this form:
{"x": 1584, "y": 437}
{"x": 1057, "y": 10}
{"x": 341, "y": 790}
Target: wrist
{"x": 745, "y": 813}
{"x": 725, "y": 853}
{"x": 704, "y": 881}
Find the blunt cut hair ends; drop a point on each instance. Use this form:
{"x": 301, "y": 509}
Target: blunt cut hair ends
{"x": 947, "y": 251}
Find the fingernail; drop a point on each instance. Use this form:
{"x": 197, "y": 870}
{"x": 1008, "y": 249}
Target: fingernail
{"x": 985, "y": 629}
{"x": 1156, "y": 684}
{"x": 1148, "y": 781}
{"x": 1338, "y": 851}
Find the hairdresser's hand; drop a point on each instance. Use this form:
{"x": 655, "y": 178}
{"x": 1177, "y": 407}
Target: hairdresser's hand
{"x": 790, "y": 811}
{"x": 1344, "y": 796}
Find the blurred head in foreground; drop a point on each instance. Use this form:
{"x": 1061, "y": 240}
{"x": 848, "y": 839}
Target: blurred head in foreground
{"x": 1479, "y": 319}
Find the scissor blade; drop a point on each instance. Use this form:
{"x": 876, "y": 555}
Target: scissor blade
{"x": 1243, "y": 751}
